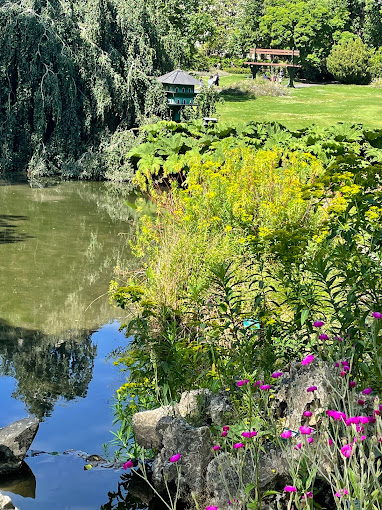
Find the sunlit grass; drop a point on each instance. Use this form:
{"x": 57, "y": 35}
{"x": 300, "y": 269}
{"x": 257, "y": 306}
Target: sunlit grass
{"x": 323, "y": 105}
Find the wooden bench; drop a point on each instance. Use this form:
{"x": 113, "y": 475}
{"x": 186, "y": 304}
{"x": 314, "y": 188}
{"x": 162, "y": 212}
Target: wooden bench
{"x": 254, "y": 64}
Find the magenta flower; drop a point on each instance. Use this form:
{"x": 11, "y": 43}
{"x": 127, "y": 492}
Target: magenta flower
{"x": 253, "y": 433}
{"x": 330, "y": 441}
{"x": 380, "y": 407}
{"x": 352, "y": 384}
{"x": 307, "y": 360}
{"x": 323, "y": 336}
{"x": 310, "y": 440}
{"x": 311, "y": 388}
{"x": 211, "y": 507}
{"x": 225, "y": 433}
{"x": 367, "y": 391}
{"x": 305, "y": 430}
{"x": 276, "y": 375}
{"x": 347, "y": 450}
{"x": 337, "y": 415}
{"x": 340, "y": 339}
{"x": 265, "y": 387}
{"x": 240, "y": 383}
{"x": 308, "y": 494}
{"x": 363, "y": 419}
{"x": 226, "y": 427}
{"x": 128, "y": 464}
{"x": 308, "y": 414}
{"x": 216, "y": 448}
{"x": 345, "y": 363}
{"x": 258, "y": 383}
{"x": 238, "y": 445}
{"x": 290, "y": 488}
{"x": 361, "y": 402}
{"x": 377, "y": 315}
{"x": 372, "y": 419}
{"x": 298, "y": 446}
{"x": 175, "y": 457}
{"x": 318, "y": 324}
{"x": 341, "y": 492}
{"x": 352, "y": 420}
{"x": 286, "y": 434}
{"x": 246, "y": 434}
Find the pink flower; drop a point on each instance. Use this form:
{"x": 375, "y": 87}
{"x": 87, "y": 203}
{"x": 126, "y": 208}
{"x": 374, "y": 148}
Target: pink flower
{"x": 128, "y": 464}
{"x": 307, "y": 360}
{"x": 305, "y": 430}
{"x": 225, "y": 433}
{"x": 298, "y": 446}
{"x": 309, "y": 494}
{"x": 323, "y": 336}
{"x": 307, "y": 413}
{"x": 265, "y": 387}
{"x": 341, "y": 492}
{"x": 330, "y": 442}
{"x": 290, "y": 488}
{"x": 241, "y": 383}
{"x": 337, "y": 415}
{"x": 338, "y": 338}
{"x": 343, "y": 373}
{"x": 310, "y": 440}
{"x": 253, "y": 433}
{"x": 286, "y": 434}
{"x": 238, "y": 445}
{"x": 175, "y": 457}
{"x": 352, "y": 420}
{"x": 258, "y": 383}
{"x": 361, "y": 402}
{"x": 311, "y": 388}
{"x": 318, "y": 324}
{"x": 363, "y": 419}
{"x": 347, "y": 450}
{"x": 372, "y": 419}
{"x": 377, "y": 315}
{"x": 216, "y": 448}
{"x": 246, "y": 434}
{"x": 276, "y": 375}
{"x": 367, "y": 391}
{"x": 380, "y": 407}
{"x": 211, "y": 507}
{"x": 226, "y": 427}
{"x": 345, "y": 363}
{"x": 352, "y": 384}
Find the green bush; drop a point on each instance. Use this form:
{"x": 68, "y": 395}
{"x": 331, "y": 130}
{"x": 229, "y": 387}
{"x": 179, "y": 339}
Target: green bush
{"x": 350, "y": 62}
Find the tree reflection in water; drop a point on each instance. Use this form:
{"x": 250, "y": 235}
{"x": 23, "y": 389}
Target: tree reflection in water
{"x": 46, "y": 368}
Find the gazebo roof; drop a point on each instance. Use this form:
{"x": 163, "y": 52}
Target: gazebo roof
{"x": 178, "y": 77}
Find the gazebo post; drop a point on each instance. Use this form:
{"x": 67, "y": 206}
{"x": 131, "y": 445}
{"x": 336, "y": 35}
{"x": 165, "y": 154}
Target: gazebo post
{"x": 291, "y": 74}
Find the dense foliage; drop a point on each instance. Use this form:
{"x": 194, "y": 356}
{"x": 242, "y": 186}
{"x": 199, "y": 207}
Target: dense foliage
{"x": 258, "y": 232}
{"x": 349, "y": 62}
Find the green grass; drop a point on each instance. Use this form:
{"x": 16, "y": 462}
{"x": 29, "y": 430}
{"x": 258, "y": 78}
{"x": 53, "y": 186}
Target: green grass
{"x": 323, "y": 105}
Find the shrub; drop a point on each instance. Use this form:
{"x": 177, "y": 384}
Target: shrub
{"x": 349, "y": 62}
{"x": 256, "y": 88}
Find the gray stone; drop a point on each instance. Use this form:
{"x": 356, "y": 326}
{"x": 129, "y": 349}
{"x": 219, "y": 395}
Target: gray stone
{"x": 223, "y": 481}
{"x": 220, "y": 409}
{"x": 195, "y": 447}
{"x": 145, "y": 425}
{"x": 193, "y": 406}
{"x": 6, "y": 503}
{"x": 292, "y": 398}
{"x": 15, "y": 441}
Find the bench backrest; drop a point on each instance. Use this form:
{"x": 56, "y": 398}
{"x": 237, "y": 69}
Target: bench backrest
{"x": 264, "y": 51}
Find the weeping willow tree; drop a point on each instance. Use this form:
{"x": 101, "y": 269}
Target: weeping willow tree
{"x": 71, "y": 71}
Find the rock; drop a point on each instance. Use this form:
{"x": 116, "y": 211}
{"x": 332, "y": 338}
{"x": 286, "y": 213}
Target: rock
{"x": 195, "y": 446}
{"x": 145, "y": 426}
{"x": 15, "y": 441}
{"x": 197, "y": 407}
{"x": 22, "y": 482}
{"x": 292, "y": 399}
{"x": 6, "y": 503}
{"x": 223, "y": 473}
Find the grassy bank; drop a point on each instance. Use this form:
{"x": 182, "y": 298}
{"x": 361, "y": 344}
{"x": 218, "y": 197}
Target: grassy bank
{"x": 323, "y": 105}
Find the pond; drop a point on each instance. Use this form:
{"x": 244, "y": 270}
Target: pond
{"x": 59, "y": 246}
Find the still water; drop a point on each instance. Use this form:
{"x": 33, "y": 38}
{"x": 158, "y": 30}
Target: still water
{"x": 59, "y": 246}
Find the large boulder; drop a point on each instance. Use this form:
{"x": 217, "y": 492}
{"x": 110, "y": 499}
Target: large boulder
{"x": 194, "y": 445}
{"x": 292, "y": 398}
{"x": 15, "y": 441}
{"x": 227, "y": 473}
{"x": 6, "y": 503}
{"x": 196, "y": 407}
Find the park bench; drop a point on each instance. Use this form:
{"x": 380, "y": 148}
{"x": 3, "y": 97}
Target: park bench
{"x": 255, "y": 65}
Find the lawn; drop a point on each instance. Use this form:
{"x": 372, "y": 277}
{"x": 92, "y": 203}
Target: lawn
{"x": 323, "y": 105}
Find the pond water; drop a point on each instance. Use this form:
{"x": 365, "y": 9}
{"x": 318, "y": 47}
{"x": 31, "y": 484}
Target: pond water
{"x": 59, "y": 246}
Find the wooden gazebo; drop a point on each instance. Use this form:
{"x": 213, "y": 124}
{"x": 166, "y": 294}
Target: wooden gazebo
{"x": 255, "y": 65}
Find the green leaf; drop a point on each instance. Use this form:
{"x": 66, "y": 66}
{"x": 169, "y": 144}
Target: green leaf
{"x": 304, "y": 316}
{"x": 270, "y": 493}
{"x": 87, "y": 467}
{"x": 249, "y": 488}
{"x": 353, "y": 480}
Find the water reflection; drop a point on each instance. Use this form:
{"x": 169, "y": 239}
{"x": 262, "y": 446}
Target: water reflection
{"x": 9, "y": 229}
{"x": 23, "y": 482}
{"x": 46, "y": 368}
